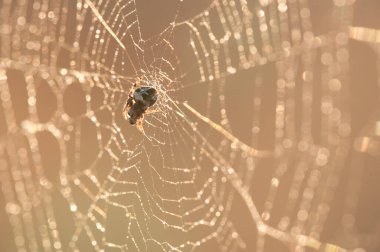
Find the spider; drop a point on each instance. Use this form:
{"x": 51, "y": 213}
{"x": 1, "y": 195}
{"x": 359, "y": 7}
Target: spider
{"x": 139, "y": 100}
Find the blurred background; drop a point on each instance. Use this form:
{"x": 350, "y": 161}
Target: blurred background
{"x": 75, "y": 176}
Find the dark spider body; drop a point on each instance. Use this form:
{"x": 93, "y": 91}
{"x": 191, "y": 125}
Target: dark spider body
{"x": 137, "y": 103}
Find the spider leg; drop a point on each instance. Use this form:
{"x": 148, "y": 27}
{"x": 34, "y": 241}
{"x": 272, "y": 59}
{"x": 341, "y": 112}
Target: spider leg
{"x": 137, "y": 83}
{"x": 125, "y": 111}
{"x": 148, "y": 112}
{"x": 139, "y": 125}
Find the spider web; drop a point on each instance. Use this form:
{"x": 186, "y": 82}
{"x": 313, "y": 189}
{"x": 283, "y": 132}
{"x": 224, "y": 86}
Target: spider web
{"x": 246, "y": 89}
